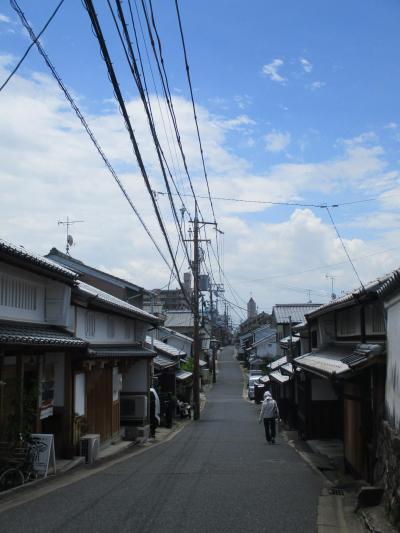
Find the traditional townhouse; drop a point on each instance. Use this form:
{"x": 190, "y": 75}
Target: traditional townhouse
{"x": 285, "y": 316}
{"x": 111, "y": 381}
{"x": 36, "y": 346}
{"x": 341, "y": 384}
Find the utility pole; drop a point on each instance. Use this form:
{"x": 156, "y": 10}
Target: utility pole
{"x": 196, "y": 313}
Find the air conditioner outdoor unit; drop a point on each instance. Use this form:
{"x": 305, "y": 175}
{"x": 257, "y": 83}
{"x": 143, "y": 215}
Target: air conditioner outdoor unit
{"x": 89, "y": 447}
{"x": 133, "y": 406}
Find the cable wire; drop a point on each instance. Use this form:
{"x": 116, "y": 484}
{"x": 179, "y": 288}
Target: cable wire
{"x": 79, "y": 114}
{"x": 31, "y": 45}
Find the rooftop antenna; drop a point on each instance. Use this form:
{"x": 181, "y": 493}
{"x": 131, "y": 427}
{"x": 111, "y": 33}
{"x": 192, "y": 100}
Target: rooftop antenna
{"x": 332, "y": 278}
{"x": 309, "y": 296}
{"x": 67, "y": 223}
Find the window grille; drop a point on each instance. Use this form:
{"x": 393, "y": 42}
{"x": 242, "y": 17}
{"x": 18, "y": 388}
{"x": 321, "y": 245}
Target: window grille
{"x": 17, "y": 293}
{"x": 90, "y": 324}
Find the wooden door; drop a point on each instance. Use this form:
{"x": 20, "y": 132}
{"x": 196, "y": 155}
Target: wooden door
{"x": 100, "y": 402}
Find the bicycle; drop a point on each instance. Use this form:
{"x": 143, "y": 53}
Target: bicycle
{"x": 17, "y": 464}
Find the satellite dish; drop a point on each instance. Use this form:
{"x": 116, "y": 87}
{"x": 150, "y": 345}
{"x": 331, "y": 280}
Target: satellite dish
{"x": 70, "y": 240}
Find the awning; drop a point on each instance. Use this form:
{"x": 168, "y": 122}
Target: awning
{"x": 16, "y": 333}
{"x": 328, "y": 361}
{"x": 97, "y": 352}
{"x": 162, "y": 362}
{"x": 280, "y": 378}
{"x": 264, "y": 379}
{"x": 287, "y": 369}
{"x": 183, "y": 375}
{"x": 279, "y": 362}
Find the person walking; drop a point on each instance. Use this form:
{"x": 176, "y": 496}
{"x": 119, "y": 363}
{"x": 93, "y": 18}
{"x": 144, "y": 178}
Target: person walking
{"x": 269, "y": 413}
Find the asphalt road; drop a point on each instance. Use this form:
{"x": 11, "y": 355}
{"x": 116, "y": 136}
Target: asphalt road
{"x": 217, "y": 475}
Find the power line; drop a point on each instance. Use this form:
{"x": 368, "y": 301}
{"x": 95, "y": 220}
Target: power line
{"x": 193, "y": 103}
{"x": 322, "y": 205}
{"x": 344, "y": 247}
{"x": 131, "y": 59}
{"x": 74, "y": 106}
{"x": 31, "y": 45}
{"x": 121, "y": 102}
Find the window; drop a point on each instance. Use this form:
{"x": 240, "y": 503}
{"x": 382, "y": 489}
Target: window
{"x": 90, "y": 324}
{"x": 17, "y": 293}
{"x": 110, "y": 327}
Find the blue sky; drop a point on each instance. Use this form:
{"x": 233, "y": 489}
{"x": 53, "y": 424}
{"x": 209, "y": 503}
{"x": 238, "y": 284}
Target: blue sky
{"x": 298, "y": 102}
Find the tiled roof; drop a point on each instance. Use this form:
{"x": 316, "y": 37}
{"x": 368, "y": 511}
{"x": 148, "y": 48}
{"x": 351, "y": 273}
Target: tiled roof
{"x": 183, "y": 375}
{"x": 165, "y": 348}
{"x": 35, "y": 259}
{"x": 16, "y": 333}
{"x": 288, "y": 368}
{"x": 280, "y": 378}
{"x": 78, "y": 266}
{"x": 96, "y": 295}
{"x": 327, "y": 360}
{"x": 97, "y": 352}
{"x": 277, "y": 363}
{"x": 264, "y": 379}
{"x": 374, "y": 287}
{"x": 285, "y": 342}
{"x": 282, "y": 312}
{"x": 179, "y": 319}
{"x": 161, "y": 361}
{"x": 173, "y": 333}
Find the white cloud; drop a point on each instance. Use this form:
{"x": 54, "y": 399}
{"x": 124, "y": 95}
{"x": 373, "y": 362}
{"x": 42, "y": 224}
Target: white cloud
{"x": 243, "y": 101}
{"x": 50, "y": 170}
{"x": 4, "y": 18}
{"x": 277, "y": 141}
{"x": 315, "y": 85}
{"x": 307, "y": 66}
{"x": 391, "y": 126}
{"x": 271, "y": 70}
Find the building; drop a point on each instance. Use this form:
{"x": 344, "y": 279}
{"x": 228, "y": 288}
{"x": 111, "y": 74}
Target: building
{"x": 170, "y": 299}
{"x": 251, "y": 308}
{"x": 285, "y": 316}
{"x": 120, "y": 288}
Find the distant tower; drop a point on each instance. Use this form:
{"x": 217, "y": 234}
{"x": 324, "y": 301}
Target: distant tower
{"x": 187, "y": 282}
{"x": 251, "y": 308}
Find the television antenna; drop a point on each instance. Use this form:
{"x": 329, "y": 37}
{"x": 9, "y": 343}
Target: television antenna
{"x": 67, "y": 223}
{"x": 332, "y": 278}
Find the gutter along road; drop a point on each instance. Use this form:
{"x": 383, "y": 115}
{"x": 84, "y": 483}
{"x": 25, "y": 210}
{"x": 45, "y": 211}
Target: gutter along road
{"x": 216, "y": 475}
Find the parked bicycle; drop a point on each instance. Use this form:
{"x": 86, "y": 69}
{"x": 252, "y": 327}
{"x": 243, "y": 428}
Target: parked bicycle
{"x": 17, "y": 463}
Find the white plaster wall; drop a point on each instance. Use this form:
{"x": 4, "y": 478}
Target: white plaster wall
{"x": 179, "y": 344}
{"x": 137, "y": 328}
{"x": 52, "y": 298}
{"x": 267, "y": 349}
{"x": 24, "y": 315}
{"x": 393, "y": 361}
{"x": 135, "y": 379}
{"x": 326, "y": 329}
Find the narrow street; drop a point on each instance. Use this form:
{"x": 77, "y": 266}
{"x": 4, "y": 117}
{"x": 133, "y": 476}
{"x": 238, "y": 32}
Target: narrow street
{"x": 216, "y": 475}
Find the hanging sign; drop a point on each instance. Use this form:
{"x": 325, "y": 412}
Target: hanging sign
{"x": 43, "y": 453}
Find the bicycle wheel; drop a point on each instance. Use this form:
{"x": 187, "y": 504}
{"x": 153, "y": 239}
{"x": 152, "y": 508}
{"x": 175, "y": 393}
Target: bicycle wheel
{"x": 12, "y": 477}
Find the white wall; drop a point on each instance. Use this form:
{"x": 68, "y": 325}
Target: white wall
{"x": 126, "y": 330}
{"x": 58, "y": 360}
{"x": 29, "y": 297}
{"x": 393, "y": 361}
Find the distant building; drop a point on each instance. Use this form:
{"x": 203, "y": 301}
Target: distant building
{"x": 251, "y": 308}
{"x": 171, "y": 300}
